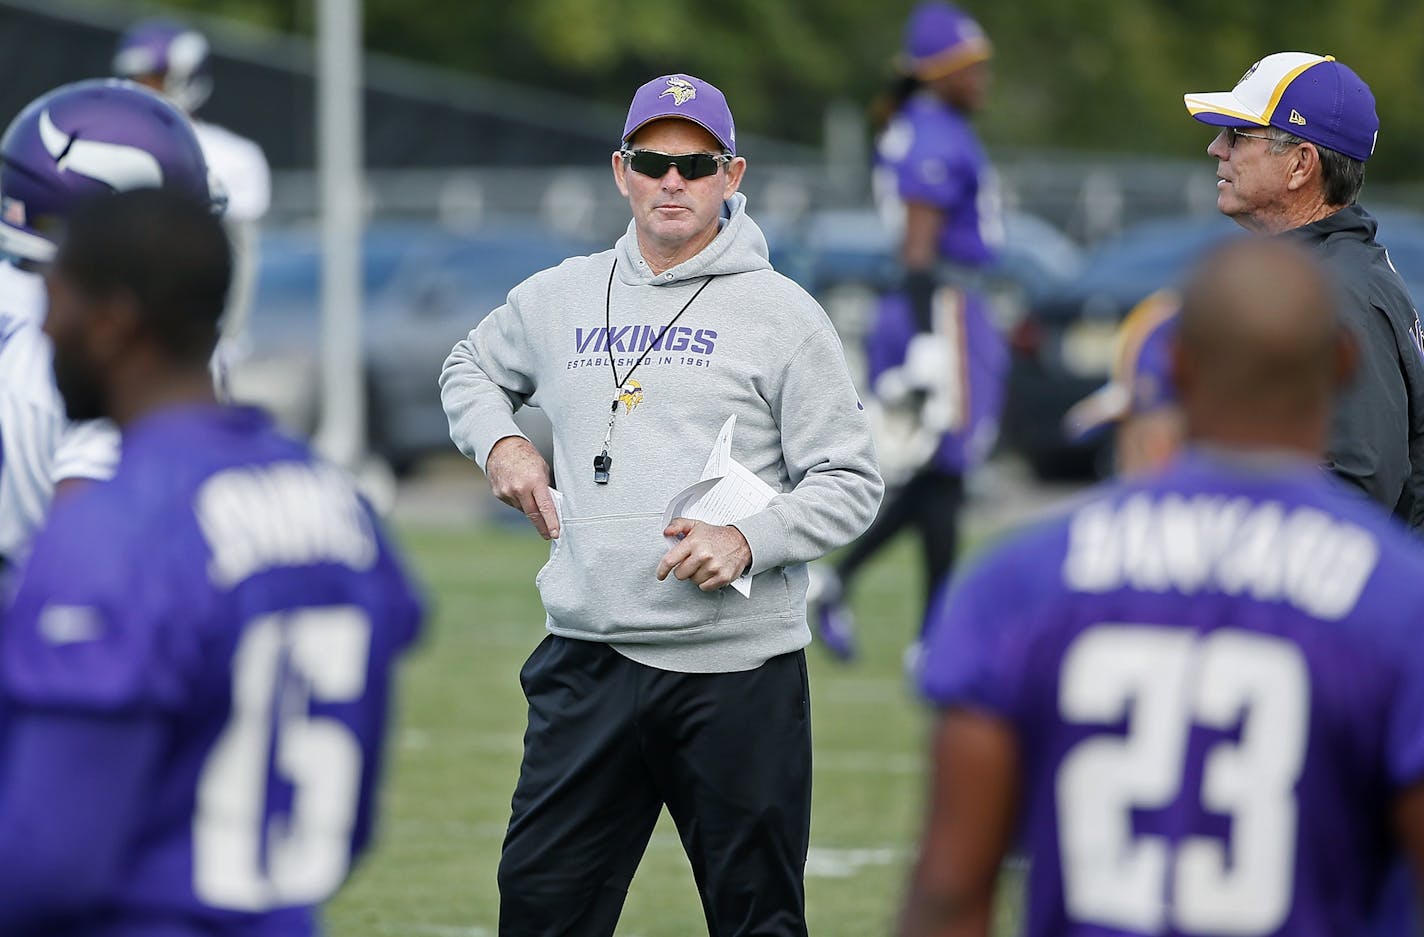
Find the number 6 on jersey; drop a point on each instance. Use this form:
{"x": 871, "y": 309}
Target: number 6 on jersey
{"x": 243, "y": 859}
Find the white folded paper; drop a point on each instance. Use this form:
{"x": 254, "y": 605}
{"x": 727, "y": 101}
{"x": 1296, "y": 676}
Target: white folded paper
{"x": 728, "y": 492}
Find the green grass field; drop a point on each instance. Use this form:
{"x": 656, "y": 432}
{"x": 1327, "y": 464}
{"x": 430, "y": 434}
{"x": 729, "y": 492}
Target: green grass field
{"x": 456, "y": 745}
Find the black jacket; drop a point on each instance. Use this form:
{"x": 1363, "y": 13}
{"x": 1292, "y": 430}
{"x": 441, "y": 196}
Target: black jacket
{"x": 1377, "y": 437}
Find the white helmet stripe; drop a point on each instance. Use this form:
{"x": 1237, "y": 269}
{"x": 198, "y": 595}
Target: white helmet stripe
{"x": 117, "y": 165}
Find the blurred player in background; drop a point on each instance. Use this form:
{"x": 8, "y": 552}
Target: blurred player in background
{"x": 80, "y": 140}
{"x": 195, "y": 671}
{"x": 1290, "y": 160}
{"x": 173, "y": 60}
{"x": 936, "y": 360}
{"x": 1199, "y": 697}
{"x": 1138, "y": 398}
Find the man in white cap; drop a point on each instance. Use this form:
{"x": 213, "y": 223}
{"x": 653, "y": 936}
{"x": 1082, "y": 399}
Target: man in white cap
{"x": 1294, "y": 136}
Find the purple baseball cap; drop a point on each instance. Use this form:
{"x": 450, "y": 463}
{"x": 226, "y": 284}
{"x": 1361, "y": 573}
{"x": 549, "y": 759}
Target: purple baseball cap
{"x": 1141, "y": 379}
{"x": 1312, "y": 96}
{"x": 941, "y": 39}
{"x": 686, "y": 97}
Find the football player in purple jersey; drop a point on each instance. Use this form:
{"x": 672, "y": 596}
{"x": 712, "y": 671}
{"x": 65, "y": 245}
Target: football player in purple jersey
{"x": 196, "y": 669}
{"x": 1197, "y": 699}
{"x": 936, "y": 360}
{"x": 80, "y": 140}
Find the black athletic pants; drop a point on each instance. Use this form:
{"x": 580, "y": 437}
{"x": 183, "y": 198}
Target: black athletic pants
{"x": 610, "y": 742}
{"x": 930, "y": 501}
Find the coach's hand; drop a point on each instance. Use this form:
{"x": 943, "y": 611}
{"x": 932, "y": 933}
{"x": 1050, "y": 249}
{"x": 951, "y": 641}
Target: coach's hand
{"x": 519, "y": 476}
{"x": 710, "y": 556}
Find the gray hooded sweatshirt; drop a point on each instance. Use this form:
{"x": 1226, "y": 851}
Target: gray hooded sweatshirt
{"x": 752, "y": 344}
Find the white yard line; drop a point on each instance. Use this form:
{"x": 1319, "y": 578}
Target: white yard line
{"x": 824, "y": 862}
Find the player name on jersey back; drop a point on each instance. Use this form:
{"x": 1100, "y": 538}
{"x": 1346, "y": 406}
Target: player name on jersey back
{"x": 256, "y": 518}
{"x": 1156, "y": 542}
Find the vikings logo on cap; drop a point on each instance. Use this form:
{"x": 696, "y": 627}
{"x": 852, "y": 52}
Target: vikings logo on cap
{"x": 686, "y": 97}
{"x": 630, "y": 395}
{"x": 681, "y": 90}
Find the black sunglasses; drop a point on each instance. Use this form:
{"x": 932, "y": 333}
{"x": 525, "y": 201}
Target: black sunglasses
{"x": 689, "y": 165}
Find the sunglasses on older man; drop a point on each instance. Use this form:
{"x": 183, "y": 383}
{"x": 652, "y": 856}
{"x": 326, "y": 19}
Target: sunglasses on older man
{"x": 689, "y": 165}
{"x": 1235, "y": 133}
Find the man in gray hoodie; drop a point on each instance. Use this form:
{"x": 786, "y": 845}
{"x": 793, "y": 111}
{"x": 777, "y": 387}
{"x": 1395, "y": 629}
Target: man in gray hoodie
{"x": 656, "y": 684}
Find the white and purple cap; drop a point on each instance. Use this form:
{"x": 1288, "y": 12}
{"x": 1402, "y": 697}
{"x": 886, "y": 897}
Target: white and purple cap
{"x": 1312, "y": 96}
{"x": 1141, "y": 378}
{"x": 941, "y": 39}
{"x": 686, "y": 97}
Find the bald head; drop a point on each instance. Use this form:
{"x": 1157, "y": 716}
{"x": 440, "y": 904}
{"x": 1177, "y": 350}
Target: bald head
{"x": 1260, "y": 351}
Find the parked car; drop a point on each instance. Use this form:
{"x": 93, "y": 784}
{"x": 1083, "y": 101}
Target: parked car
{"x": 845, "y": 258}
{"x": 835, "y": 247}
{"x": 1063, "y": 348}
{"x": 424, "y": 288}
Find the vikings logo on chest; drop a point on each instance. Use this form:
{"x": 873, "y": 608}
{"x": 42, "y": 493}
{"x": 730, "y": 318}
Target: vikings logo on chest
{"x": 630, "y": 395}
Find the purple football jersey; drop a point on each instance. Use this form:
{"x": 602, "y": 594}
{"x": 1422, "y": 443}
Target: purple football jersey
{"x": 238, "y": 593}
{"x": 1217, "y": 682}
{"x": 928, "y": 153}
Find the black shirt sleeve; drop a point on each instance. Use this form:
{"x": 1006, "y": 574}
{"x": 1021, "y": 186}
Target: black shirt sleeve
{"x": 1369, "y": 436}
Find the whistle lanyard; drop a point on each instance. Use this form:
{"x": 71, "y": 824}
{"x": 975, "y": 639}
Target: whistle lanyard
{"x": 603, "y": 461}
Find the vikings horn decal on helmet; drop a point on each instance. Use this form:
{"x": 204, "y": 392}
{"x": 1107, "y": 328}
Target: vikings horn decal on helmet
{"x": 120, "y": 167}
{"x": 169, "y": 51}
{"x": 85, "y": 139}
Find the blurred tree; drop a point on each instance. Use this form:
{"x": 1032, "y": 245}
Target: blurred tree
{"x": 1095, "y": 74}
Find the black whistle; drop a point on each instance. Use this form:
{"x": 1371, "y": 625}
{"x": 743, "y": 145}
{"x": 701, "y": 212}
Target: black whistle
{"x": 601, "y": 464}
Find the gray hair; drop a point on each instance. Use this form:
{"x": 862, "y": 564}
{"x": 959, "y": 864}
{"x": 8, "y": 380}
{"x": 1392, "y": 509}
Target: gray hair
{"x": 1342, "y": 176}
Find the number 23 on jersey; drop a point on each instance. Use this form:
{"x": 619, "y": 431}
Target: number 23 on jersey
{"x": 1163, "y": 682}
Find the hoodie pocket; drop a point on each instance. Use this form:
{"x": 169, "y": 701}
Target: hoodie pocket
{"x": 601, "y": 578}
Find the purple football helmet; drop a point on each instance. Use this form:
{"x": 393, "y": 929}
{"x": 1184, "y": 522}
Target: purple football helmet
{"x": 171, "y": 51}
{"x": 85, "y": 139}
